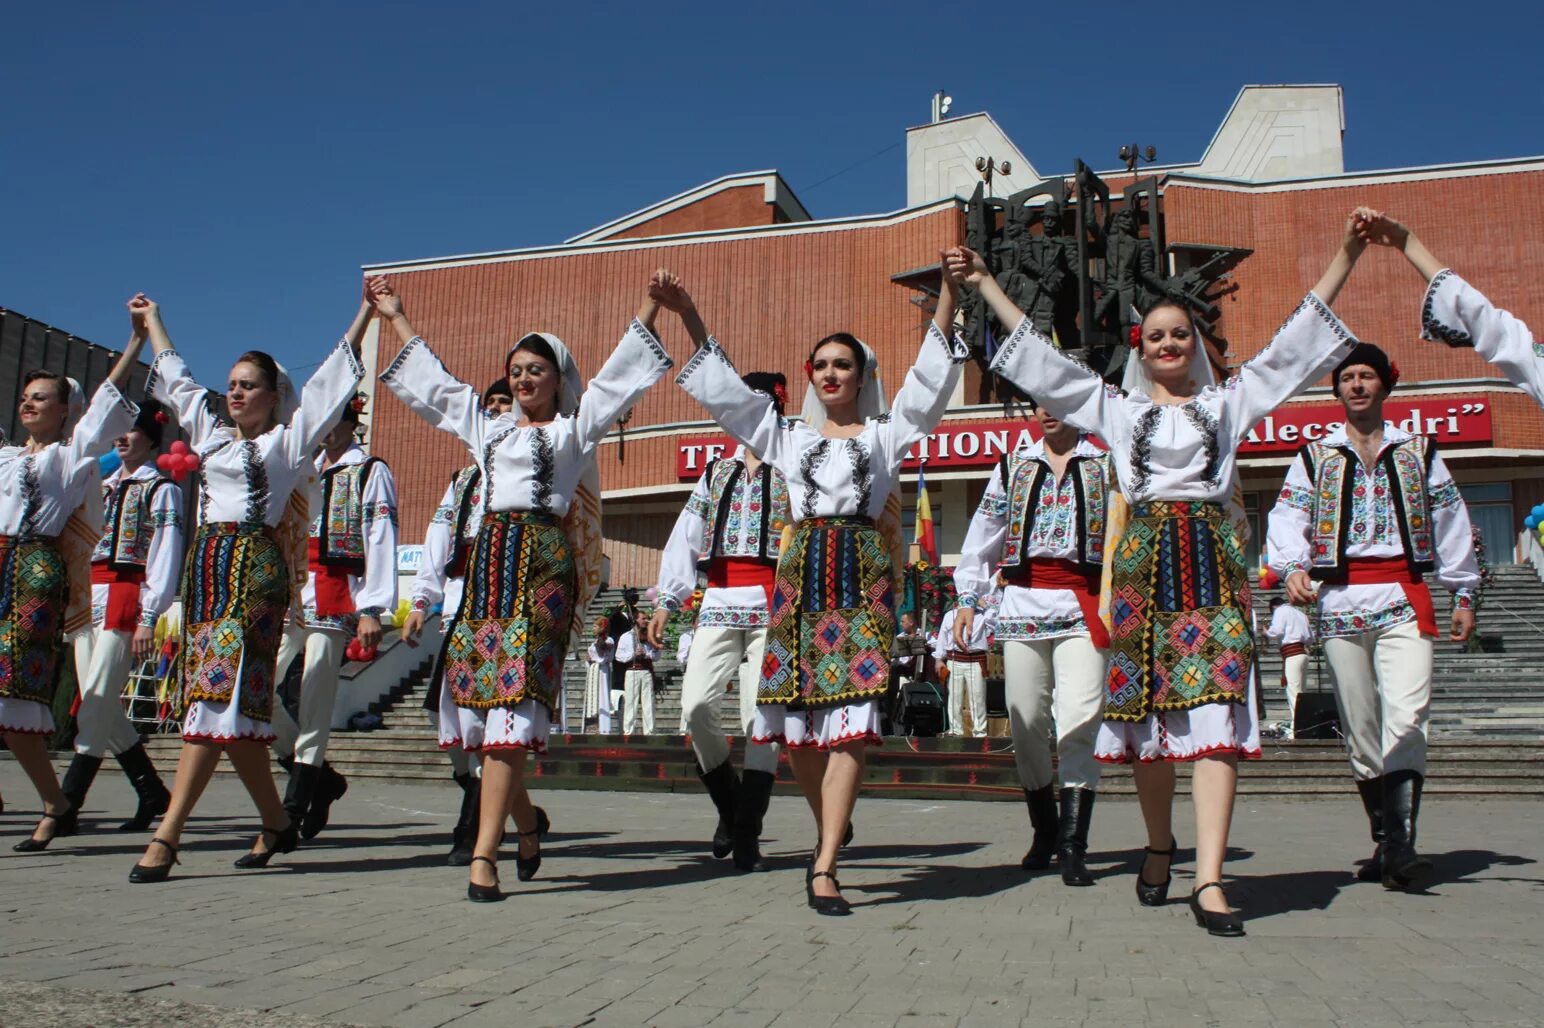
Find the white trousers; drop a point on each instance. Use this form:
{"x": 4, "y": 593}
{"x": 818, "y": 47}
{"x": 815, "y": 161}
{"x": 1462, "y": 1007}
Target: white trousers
{"x": 1383, "y": 690}
{"x": 965, "y": 679}
{"x": 102, "y": 662}
{"x": 323, "y": 649}
{"x": 637, "y": 702}
{"x": 716, "y": 658}
{"x": 1295, "y": 670}
{"x": 1062, "y": 677}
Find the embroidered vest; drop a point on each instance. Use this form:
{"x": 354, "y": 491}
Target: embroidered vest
{"x": 339, "y": 527}
{"x": 464, "y": 490}
{"x": 126, "y": 543}
{"x": 1024, "y": 477}
{"x": 1333, "y": 471}
{"x": 763, "y": 511}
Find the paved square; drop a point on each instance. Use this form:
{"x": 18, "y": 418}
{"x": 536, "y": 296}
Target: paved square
{"x": 631, "y": 922}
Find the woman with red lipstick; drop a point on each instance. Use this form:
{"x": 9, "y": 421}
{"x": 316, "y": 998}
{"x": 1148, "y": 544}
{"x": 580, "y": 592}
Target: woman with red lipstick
{"x": 535, "y": 559}
{"x": 1178, "y": 682}
{"x": 827, "y": 658}
{"x": 41, "y": 485}
{"x": 237, "y": 583}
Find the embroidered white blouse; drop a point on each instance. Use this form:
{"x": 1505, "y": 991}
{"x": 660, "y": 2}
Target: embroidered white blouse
{"x": 250, "y": 480}
{"x": 39, "y": 491}
{"x": 528, "y": 467}
{"x": 1025, "y": 614}
{"x": 746, "y": 520}
{"x": 1373, "y": 531}
{"x": 375, "y": 592}
{"x": 1184, "y": 451}
{"x": 630, "y": 647}
{"x": 981, "y": 634}
{"x": 831, "y": 477}
{"x": 1289, "y": 625}
{"x": 162, "y": 553}
{"x": 1456, "y": 313}
{"x": 430, "y": 584}
{"x": 600, "y": 651}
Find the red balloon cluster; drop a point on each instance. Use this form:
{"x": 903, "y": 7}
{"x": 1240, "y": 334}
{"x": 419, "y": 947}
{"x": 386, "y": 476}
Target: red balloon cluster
{"x": 353, "y": 651}
{"x": 179, "y": 462}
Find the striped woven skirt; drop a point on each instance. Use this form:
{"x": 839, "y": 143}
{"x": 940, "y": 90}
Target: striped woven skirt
{"x": 235, "y": 590}
{"x": 34, "y": 588}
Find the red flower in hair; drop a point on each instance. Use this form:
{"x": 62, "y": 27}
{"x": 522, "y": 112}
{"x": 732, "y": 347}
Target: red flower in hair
{"x": 1136, "y": 336}
{"x": 161, "y": 418}
{"x": 809, "y": 371}
{"x": 357, "y": 404}
{"x": 781, "y": 392}
{"x": 1394, "y": 372}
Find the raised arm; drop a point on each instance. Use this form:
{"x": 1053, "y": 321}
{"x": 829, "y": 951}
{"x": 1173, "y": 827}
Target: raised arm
{"x": 1383, "y": 230}
{"x": 1353, "y": 241}
{"x": 109, "y": 416}
{"x": 924, "y": 396}
{"x": 328, "y": 391}
{"x": 636, "y": 364}
{"x": 747, "y": 415}
{"x": 170, "y": 382}
{"x": 422, "y": 382}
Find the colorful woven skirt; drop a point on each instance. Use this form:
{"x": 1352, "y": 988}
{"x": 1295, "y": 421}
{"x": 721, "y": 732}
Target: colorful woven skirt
{"x": 235, "y": 590}
{"x": 833, "y": 617}
{"x": 34, "y": 587}
{"x": 1179, "y": 610}
{"x": 511, "y": 633}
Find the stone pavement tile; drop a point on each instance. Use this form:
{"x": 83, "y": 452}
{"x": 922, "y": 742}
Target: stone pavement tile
{"x": 741, "y": 1017}
{"x": 460, "y": 978}
{"x": 1239, "y": 1009}
{"x": 626, "y": 1014}
{"x": 341, "y": 996}
{"x": 681, "y": 1016}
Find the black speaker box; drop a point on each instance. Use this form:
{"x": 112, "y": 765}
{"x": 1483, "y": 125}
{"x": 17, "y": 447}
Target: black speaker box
{"x": 1316, "y": 716}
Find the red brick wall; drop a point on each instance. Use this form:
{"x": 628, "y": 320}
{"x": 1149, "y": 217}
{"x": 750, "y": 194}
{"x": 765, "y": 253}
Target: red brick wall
{"x": 738, "y": 207}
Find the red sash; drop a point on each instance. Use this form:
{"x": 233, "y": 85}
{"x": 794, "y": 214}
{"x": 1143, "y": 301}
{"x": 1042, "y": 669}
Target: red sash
{"x": 1396, "y": 571}
{"x": 333, "y": 598}
{"x": 122, "y": 595}
{"x": 730, "y": 572}
{"x": 967, "y": 657}
{"x": 1049, "y": 573}
{"x": 1292, "y": 650}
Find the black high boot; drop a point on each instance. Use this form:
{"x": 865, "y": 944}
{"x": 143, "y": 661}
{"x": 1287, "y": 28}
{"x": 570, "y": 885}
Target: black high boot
{"x": 154, "y": 799}
{"x": 750, "y": 808}
{"x": 1402, "y": 865}
{"x": 78, "y": 778}
{"x": 330, "y": 787}
{"x": 301, "y": 790}
{"x": 1042, "y": 818}
{"x": 1372, "y": 802}
{"x": 722, "y": 786}
{"x": 1077, "y": 810}
{"x": 463, "y": 838}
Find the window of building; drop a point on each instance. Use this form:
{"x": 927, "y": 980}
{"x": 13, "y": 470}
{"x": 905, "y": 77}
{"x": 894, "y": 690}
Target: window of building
{"x": 1490, "y": 508}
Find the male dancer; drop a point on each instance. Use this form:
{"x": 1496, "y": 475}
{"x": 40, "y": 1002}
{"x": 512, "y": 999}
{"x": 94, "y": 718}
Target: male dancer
{"x": 635, "y": 655}
{"x": 353, "y": 583}
{"x": 965, "y": 660}
{"x": 1040, "y": 526}
{"x": 1290, "y": 631}
{"x": 731, "y": 529}
{"x": 1368, "y": 510}
{"x": 134, "y": 575}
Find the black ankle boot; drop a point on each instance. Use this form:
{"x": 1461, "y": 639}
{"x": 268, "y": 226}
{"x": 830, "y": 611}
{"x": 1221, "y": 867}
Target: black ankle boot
{"x": 78, "y": 778}
{"x": 1402, "y": 865}
{"x": 1077, "y": 810}
{"x": 301, "y": 790}
{"x": 154, "y": 799}
{"x": 1042, "y": 818}
{"x": 750, "y": 808}
{"x": 1372, "y": 802}
{"x": 330, "y": 787}
{"x": 463, "y": 838}
{"x": 722, "y": 785}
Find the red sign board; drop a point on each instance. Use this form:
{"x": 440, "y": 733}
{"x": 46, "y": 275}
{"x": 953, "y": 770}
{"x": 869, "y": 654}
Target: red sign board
{"x": 979, "y": 444}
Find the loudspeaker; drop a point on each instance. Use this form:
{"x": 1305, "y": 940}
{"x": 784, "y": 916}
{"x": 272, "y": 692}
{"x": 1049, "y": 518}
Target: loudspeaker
{"x": 996, "y": 698}
{"x": 919, "y": 709}
{"x": 1316, "y": 716}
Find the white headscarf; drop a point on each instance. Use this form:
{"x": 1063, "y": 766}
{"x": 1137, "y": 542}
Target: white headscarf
{"x": 289, "y": 399}
{"x": 871, "y": 394}
{"x": 570, "y": 382}
{"x": 76, "y": 405}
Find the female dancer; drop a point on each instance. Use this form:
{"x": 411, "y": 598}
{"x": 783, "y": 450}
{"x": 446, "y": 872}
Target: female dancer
{"x": 1180, "y": 650}
{"x": 827, "y": 661}
{"x": 41, "y": 484}
{"x": 237, "y": 583}
{"x": 504, "y": 658}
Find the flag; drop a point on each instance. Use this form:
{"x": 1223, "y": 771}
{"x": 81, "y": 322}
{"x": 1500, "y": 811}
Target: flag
{"x": 925, "y": 540}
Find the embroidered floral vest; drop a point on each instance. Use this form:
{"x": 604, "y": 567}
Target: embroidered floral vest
{"x": 464, "y": 498}
{"x": 130, "y": 523}
{"x": 1023, "y": 478}
{"x": 1333, "y": 471}
{"x": 339, "y": 527}
{"x": 761, "y": 513}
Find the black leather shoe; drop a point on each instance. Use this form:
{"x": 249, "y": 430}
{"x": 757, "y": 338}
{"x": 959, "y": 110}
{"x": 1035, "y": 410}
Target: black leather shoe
{"x": 1228, "y": 926}
{"x": 831, "y": 906}
{"x": 67, "y": 823}
{"x": 145, "y": 874}
{"x": 722, "y": 785}
{"x": 1371, "y": 791}
{"x": 1148, "y": 894}
{"x": 1402, "y": 865}
{"x": 330, "y": 787}
{"x": 78, "y": 778}
{"x": 1077, "y": 809}
{"x": 543, "y": 822}
{"x": 154, "y": 799}
{"x": 485, "y": 893}
{"x": 526, "y": 867}
{"x": 1042, "y": 819}
{"x": 285, "y": 840}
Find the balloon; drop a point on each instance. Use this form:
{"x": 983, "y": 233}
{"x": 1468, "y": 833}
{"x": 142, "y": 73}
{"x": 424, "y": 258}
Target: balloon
{"x": 165, "y": 462}
{"x": 109, "y": 462}
{"x": 179, "y": 447}
{"x": 189, "y": 462}
{"x": 1532, "y": 521}
{"x": 651, "y": 593}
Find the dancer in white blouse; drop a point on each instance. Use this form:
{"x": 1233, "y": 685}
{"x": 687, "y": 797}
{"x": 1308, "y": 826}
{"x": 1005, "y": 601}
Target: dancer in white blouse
{"x": 237, "y": 585}
{"x": 42, "y": 482}
{"x": 827, "y": 662}
{"x": 1177, "y": 686}
{"x": 504, "y": 658}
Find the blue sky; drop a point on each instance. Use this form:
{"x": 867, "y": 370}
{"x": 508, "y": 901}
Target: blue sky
{"x": 240, "y": 162}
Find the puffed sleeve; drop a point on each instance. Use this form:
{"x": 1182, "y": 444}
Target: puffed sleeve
{"x": 1071, "y": 390}
{"x": 686, "y": 546}
{"x": 944, "y": 639}
{"x": 109, "y": 416}
{"x": 378, "y": 590}
{"x": 983, "y": 546}
{"x": 1456, "y": 313}
{"x": 924, "y": 396}
{"x": 636, "y": 364}
{"x": 163, "y": 560}
{"x": 322, "y": 401}
{"x": 171, "y": 384}
{"x": 1457, "y": 569}
{"x": 429, "y": 583}
{"x": 711, "y": 379}
{"x": 1306, "y": 347}
{"x": 1287, "y": 530}
{"x": 434, "y": 394}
